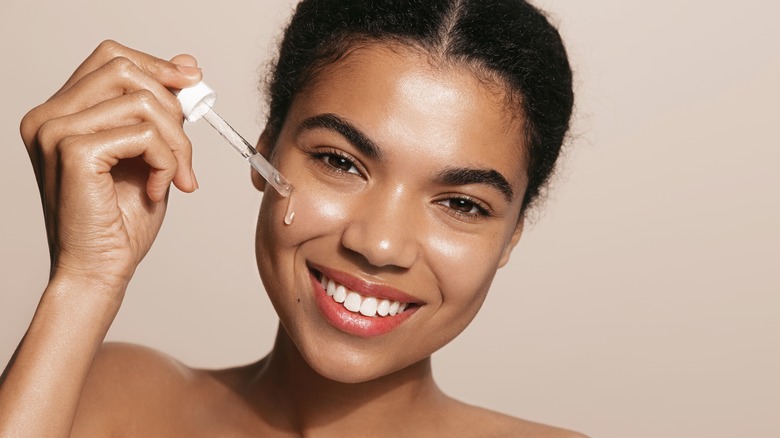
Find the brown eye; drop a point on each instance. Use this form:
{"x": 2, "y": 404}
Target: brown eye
{"x": 339, "y": 163}
{"x": 464, "y": 206}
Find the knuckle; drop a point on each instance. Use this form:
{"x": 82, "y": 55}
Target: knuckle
{"x": 181, "y": 153}
{"x": 28, "y": 127}
{"x": 109, "y": 48}
{"x": 48, "y": 133}
{"x": 145, "y": 99}
{"x": 72, "y": 153}
{"x": 147, "y": 131}
{"x": 121, "y": 65}
{"x": 67, "y": 145}
{"x": 177, "y": 109}
{"x": 172, "y": 167}
{"x": 186, "y": 143}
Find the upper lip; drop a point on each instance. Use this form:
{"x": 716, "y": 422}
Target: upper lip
{"x": 365, "y": 288}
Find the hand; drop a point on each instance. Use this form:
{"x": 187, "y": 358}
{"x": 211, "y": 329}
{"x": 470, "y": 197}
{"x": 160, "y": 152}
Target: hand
{"x": 105, "y": 149}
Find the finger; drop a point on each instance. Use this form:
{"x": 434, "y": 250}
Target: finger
{"x": 165, "y": 72}
{"x": 91, "y": 157}
{"x": 140, "y": 106}
{"x": 185, "y": 60}
{"x": 182, "y": 73}
{"x": 84, "y": 185}
{"x": 115, "y": 78}
{"x": 168, "y": 74}
{"x": 112, "y": 79}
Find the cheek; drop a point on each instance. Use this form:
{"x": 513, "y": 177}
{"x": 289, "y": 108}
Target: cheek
{"x": 318, "y": 212}
{"x": 281, "y": 248}
{"x": 464, "y": 268}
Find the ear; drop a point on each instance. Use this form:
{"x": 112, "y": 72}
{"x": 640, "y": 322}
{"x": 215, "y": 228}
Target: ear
{"x": 263, "y": 147}
{"x": 511, "y": 244}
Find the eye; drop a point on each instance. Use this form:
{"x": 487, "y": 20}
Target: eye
{"x": 466, "y": 207}
{"x": 338, "y": 162}
{"x": 341, "y": 163}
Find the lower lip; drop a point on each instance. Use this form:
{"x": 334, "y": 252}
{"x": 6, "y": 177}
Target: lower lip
{"x": 355, "y": 323}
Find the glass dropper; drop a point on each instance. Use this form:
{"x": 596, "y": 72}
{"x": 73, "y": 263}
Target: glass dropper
{"x": 196, "y": 102}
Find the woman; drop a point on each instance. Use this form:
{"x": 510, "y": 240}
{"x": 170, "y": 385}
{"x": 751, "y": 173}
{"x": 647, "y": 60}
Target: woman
{"x": 417, "y": 135}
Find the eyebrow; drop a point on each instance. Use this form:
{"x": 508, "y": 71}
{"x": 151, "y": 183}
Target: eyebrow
{"x": 346, "y": 129}
{"x": 451, "y": 176}
{"x": 464, "y": 176}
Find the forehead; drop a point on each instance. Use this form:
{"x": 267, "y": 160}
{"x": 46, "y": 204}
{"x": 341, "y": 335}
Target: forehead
{"x": 405, "y": 100}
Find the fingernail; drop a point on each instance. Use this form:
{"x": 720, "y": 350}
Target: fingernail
{"x": 194, "y": 179}
{"x": 188, "y": 70}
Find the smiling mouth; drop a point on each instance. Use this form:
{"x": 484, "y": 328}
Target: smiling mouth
{"x": 354, "y": 302}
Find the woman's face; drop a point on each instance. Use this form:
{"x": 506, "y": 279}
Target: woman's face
{"x": 408, "y": 184}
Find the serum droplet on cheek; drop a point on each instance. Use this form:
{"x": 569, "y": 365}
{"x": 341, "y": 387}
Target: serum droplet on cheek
{"x": 289, "y": 215}
{"x": 325, "y": 211}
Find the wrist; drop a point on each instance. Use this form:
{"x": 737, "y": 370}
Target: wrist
{"x": 96, "y": 296}
{"x": 100, "y": 276}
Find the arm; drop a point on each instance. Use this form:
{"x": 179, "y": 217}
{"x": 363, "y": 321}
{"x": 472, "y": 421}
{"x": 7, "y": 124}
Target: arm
{"x": 41, "y": 388}
{"x": 105, "y": 149}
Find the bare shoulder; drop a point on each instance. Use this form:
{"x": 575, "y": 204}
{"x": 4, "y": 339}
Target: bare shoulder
{"x": 134, "y": 369}
{"x": 130, "y": 385}
{"x": 476, "y": 421}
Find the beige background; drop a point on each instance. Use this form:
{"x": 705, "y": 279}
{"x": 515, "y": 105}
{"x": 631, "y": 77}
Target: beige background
{"x": 643, "y": 303}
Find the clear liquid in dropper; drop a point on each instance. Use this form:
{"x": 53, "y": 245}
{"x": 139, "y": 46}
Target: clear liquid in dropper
{"x": 255, "y": 159}
{"x": 248, "y": 152}
{"x": 289, "y": 215}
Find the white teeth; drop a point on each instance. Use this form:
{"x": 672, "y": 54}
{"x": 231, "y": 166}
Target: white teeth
{"x": 383, "y": 308}
{"x": 354, "y": 302}
{"x": 368, "y": 307}
{"x": 341, "y": 293}
{"x": 331, "y": 288}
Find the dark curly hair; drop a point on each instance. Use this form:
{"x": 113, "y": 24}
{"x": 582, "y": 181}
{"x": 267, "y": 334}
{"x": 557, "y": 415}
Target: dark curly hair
{"x": 509, "y": 41}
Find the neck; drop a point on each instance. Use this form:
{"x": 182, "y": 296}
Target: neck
{"x": 299, "y": 399}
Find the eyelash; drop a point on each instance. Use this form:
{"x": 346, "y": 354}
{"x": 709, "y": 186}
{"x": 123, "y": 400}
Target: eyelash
{"x": 322, "y": 158}
{"x": 482, "y": 211}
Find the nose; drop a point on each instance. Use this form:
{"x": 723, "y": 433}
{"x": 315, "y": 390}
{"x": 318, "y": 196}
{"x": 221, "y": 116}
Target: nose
{"x": 383, "y": 231}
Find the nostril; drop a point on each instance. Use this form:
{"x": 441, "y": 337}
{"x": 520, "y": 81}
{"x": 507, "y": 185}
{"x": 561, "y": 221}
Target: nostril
{"x": 378, "y": 248}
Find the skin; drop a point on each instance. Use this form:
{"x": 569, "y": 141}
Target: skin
{"x": 413, "y": 239}
{"x": 105, "y": 149}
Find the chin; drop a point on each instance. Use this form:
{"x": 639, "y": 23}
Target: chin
{"x": 345, "y": 359}
{"x": 348, "y": 363}
{"x": 345, "y": 373}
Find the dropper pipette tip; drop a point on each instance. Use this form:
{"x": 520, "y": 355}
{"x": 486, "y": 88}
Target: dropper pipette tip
{"x": 196, "y": 102}
{"x": 263, "y": 167}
